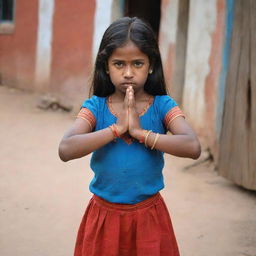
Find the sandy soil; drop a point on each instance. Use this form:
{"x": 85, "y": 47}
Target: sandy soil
{"x": 43, "y": 199}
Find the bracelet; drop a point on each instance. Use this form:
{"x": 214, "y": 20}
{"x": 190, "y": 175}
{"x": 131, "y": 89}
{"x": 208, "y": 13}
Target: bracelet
{"x": 155, "y": 140}
{"x": 142, "y": 140}
{"x": 146, "y": 137}
{"x": 114, "y": 130}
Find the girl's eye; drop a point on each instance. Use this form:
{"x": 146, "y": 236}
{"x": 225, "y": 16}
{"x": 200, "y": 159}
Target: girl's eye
{"x": 119, "y": 64}
{"x": 138, "y": 64}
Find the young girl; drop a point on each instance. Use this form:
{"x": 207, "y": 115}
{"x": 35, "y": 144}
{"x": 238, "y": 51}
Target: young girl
{"x": 124, "y": 124}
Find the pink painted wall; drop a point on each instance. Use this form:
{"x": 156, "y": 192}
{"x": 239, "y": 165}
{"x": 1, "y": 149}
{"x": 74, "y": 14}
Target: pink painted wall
{"x": 73, "y": 26}
{"x": 17, "y": 50}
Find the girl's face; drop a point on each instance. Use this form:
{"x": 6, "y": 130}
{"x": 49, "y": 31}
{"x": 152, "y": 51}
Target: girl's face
{"x": 128, "y": 66}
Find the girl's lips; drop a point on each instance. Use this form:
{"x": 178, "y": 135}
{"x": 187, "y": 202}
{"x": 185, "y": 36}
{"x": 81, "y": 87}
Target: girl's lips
{"x": 128, "y": 84}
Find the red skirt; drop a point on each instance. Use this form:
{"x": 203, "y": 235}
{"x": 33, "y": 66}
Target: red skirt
{"x": 142, "y": 229}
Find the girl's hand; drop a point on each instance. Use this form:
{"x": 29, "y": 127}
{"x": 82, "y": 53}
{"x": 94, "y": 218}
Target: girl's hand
{"x": 135, "y": 129}
{"x": 123, "y": 117}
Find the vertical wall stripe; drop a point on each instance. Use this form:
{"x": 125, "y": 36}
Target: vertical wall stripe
{"x": 44, "y": 42}
{"x": 101, "y": 22}
{"x": 225, "y": 63}
{"x": 202, "y": 24}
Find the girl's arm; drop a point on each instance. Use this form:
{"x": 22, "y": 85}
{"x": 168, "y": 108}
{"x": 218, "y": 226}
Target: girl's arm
{"x": 183, "y": 142}
{"x": 78, "y": 141}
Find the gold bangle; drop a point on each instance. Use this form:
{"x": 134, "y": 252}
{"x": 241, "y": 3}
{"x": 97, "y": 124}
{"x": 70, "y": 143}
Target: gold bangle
{"x": 146, "y": 138}
{"x": 155, "y": 140}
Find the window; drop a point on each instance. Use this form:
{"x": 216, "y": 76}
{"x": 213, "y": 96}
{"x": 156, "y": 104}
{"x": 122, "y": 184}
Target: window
{"x": 6, "y": 16}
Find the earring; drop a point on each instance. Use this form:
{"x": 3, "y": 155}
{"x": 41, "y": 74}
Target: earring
{"x": 107, "y": 71}
{"x": 150, "y": 71}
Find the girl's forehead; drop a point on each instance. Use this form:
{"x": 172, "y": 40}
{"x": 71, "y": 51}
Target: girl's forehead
{"x": 129, "y": 50}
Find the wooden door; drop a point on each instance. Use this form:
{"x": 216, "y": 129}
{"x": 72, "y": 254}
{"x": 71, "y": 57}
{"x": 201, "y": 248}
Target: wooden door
{"x": 237, "y": 158}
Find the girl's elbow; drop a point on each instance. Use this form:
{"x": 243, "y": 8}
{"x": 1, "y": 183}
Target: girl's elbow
{"x": 63, "y": 154}
{"x": 196, "y": 150}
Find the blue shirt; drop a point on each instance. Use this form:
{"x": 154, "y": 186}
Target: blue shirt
{"x": 128, "y": 173}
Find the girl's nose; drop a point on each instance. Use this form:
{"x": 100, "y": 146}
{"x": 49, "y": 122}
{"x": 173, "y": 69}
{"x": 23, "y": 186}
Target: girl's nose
{"x": 128, "y": 73}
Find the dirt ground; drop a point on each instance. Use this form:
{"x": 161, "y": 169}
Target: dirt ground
{"x": 42, "y": 199}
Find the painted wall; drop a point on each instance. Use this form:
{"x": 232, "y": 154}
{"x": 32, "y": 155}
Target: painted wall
{"x": 72, "y": 30}
{"x": 18, "y": 49}
{"x": 207, "y": 54}
{"x": 203, "y": 66}
{"x": 167, "y": 37}
{"x": 53, "y": 47}
{"x": 44, "y": 44}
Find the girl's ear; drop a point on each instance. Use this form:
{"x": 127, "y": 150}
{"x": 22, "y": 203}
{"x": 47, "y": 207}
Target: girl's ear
{"x": 151, "y": 68}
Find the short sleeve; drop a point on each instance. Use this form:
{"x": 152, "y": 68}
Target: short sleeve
{"x": 89, "y": 111}
{"x": 169, "y": 110}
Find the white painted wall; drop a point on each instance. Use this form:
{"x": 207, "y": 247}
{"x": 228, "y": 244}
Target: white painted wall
{"x": 202, "y": 23}
{"x": 101, "y": 21}
{"x": 44, "y": 43}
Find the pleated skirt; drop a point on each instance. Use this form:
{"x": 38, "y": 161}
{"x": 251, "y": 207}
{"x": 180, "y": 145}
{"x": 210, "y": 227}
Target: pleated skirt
{"x": 142, "y": 229}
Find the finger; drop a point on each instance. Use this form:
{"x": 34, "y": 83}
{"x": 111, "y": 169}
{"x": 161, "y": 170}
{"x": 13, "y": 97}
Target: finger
{"x": 131, "y": 99}
{"x": 126, "y": 98}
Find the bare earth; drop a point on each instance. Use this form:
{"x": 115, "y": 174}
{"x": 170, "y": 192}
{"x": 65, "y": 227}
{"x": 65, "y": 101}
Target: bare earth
{"x": 42, "y": 199}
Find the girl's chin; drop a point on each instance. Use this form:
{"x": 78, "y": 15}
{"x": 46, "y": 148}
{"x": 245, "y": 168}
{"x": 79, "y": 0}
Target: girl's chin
{"x": 125, "y": 86}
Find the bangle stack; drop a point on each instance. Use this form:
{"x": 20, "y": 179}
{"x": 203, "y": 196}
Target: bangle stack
{"x": 114, "y": 131}
{"x": 144, "y": 138}
{"x": 157, "y": 135}
{"x": 155, "y": 140}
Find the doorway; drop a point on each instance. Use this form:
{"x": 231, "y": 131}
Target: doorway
{"x": 148, "y": 10}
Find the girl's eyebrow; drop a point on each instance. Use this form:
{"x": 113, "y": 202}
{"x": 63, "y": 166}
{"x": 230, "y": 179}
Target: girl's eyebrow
{"x": 139, "y": 60}
{"x": 132, "y": 60}
{"x": 116, "y": 60}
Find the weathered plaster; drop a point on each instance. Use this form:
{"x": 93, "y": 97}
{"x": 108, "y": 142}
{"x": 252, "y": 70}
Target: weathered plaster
{"x": 202, "y": 23}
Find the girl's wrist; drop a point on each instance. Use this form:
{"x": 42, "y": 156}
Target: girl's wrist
{"x": 148, "y": 137}
{"x": 138, "y": 134}
{"x": 121, "y": 130}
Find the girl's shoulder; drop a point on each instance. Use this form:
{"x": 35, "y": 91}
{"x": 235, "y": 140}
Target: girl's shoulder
{"x": 93, "y": 100}
{"x": 94, "y": 103}
{"x": 168, "y": 109}
{"x": 165, "y": 100}
{"x": 164, "y": 104}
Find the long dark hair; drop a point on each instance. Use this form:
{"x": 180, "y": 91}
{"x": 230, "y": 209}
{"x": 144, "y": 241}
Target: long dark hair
{"x": 117, "y": 34}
